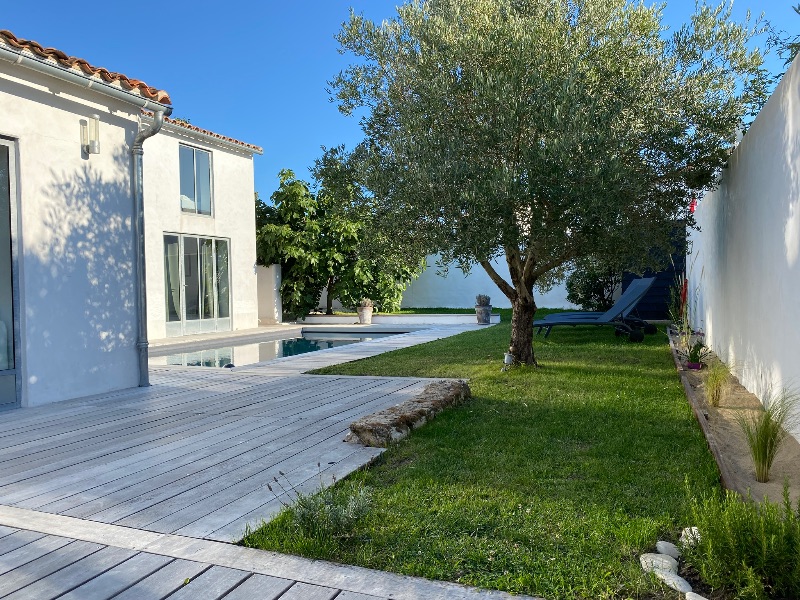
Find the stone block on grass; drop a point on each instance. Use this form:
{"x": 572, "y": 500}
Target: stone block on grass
{"x": 396, "y": 422}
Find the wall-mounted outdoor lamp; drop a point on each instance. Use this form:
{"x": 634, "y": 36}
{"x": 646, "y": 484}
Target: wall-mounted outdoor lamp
{"x": 90, "y": 135}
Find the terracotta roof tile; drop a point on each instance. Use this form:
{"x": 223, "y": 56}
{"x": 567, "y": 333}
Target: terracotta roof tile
{"x": 71, "y": 62}
{"x": 190, "y": 127}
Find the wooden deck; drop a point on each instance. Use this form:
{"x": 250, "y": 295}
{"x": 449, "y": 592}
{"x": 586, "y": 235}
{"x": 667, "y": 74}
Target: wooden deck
{"x": 130, "y": 494}
{"x": 193, "y": 453}
{"x": 48, "y": 556}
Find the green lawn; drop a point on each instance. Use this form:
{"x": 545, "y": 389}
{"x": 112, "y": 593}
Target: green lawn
{"x": 549, "y": 482}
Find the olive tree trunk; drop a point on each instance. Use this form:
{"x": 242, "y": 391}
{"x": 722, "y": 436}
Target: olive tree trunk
{"x": 523, "y": 306}
{"x": 521, "y": 346}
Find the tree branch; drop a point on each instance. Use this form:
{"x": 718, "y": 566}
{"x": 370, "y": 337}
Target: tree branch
{"x": 507, "y": 289}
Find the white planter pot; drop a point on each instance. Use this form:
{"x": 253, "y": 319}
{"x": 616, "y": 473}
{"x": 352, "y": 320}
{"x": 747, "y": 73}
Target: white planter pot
{"x": 484, "y": 314}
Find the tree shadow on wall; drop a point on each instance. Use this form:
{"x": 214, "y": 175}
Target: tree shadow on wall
{"x": 79, "y": 268}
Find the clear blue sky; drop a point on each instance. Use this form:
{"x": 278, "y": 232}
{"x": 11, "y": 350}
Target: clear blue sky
{"x": 255, "y": 71}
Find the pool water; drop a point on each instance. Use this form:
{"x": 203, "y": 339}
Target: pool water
{"x": 255, "y": 352}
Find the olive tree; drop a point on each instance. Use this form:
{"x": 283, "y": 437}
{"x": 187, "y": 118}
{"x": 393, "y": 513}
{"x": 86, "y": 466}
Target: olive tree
{"x": 543, "y": 131}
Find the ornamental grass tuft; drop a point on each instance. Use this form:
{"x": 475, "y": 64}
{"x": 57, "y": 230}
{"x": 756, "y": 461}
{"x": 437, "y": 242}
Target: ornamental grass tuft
{"x": 766, "y": 430}
{"x": 717, "y": 381}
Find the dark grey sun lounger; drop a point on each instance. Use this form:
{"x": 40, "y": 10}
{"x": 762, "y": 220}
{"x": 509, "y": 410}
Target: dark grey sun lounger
{"x": 617, "y": 316}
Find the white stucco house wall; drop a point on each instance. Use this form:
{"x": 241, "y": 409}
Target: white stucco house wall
{"x": 100, "y": 249}
{"x": 200, "y": 232}
{"x": 68, "y": 248}
{"x": 744, "y": 267}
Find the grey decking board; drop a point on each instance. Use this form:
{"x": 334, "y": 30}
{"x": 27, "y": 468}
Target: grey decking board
{"x": 345, "y": 595}
{"x": 108, "y": 406}
{"x": 192, "y": 477}
{"x": 193, "y": 474}
{"x": 118, "y": 448}
{"x": 242, "y": 466}
{"x": 305, "y": 591}
{"x": 262, "y": 587}
{"x": 17, "y": 539}
{"x": 101, "y": 495}
{"x": 4, "y": 531}
{"x": 57, "y": 445}
{"x": 73, "y": 575}
{"x": 260, "y": 504}
{"x": 30, "y": 552}
{"x": 211, "y": 584}
{"x": 118, "y": 578}
{"x": 322, "y": 573}
{"x": 234, "y": 530}
{"x": 229, "y": 496}
{"x": 43, "y": 566}
{"x": 52, "y": 489}
{"x": 165, "y": 581}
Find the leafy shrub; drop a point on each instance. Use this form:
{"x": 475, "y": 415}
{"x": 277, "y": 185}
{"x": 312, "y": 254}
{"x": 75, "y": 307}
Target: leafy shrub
{"x": 751, "y": 550}
{"x": 592, "y": 284}
{"x": 767, "y": 430}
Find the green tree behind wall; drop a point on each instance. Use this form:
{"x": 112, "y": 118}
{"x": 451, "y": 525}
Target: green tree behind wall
{"x": 327, "y": 239}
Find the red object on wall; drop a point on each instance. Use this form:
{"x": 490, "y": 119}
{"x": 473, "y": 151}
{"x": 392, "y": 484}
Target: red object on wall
{"x": 693, "y": 205}
{"x": 684, "y": 292}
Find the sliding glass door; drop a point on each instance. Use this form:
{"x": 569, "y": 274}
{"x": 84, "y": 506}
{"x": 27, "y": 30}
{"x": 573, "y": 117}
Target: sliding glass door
{"x": 197, "y": 290}
{"x": 8, "y": 363}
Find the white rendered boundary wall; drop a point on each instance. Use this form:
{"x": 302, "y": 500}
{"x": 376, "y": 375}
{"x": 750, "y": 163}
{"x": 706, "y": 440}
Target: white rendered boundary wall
{"x": 457, "y": 290}
{"x": 745, "y": 262}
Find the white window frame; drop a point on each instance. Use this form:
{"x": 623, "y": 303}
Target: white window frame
{"x": 195, "y": 211}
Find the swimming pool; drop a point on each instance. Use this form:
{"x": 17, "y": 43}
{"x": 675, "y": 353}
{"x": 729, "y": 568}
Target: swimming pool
{"x": 248, "y": 353}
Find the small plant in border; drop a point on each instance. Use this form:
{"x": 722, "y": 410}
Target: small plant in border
{"x": 766, "y": 430}
{"x": 697, "y": 353}
{"x": 325, "y": 514}
{"x": 716, "y": 382}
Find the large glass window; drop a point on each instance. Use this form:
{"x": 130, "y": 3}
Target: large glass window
{"x": 191, "y": 277}
{"x": 8, "y": 365}
{"x": 223, "y": 293}
{"x": 196, "y": 284}
{"x": 6, "y": 295}
{"x": 172, "y": 277}
{"x": 195, "y": 174}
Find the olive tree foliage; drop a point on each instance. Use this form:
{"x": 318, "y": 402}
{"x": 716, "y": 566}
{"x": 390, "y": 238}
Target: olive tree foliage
{"x": 786, "y": 45}
{"x": 322, "y": 239}
{"x": 544, "y": 131}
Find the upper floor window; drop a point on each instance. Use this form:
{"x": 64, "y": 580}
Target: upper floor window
{"x": 195, "y": 167}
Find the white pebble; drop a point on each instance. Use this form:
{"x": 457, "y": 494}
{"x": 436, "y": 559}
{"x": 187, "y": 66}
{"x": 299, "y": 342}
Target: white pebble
{"x": 652, "y": 562}
{"x": 673, "y": 580}
{"x": 668, "y": 548}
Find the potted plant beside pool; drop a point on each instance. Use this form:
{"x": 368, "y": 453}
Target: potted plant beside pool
{"x": 365, "y": 311}
{"x": 483, "y": 309}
